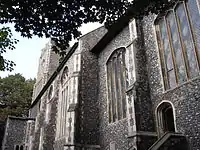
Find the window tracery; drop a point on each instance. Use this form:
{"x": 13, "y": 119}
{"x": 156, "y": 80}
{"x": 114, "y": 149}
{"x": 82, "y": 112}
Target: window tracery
{"x": 116, "y": 84}
{"x": 178, "y": 43}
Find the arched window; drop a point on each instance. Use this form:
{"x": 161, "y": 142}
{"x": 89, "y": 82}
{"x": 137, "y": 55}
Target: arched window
{"x": 165, "y": 118}
{"x": 17, "y": 147}
{"x": 64, "y": 75}
{"x": 63, "y": 105}
{"x": 21, "y": 147}
{"x": 116, "y": 84}
{"x": 179, "y": 43}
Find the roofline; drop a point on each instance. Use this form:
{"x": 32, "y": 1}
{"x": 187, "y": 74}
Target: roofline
{"x": 113, "y": 31}
{"x": 90, "y": 32}
{"x": 21, "y": 118}
{"x": 54, "y": 75}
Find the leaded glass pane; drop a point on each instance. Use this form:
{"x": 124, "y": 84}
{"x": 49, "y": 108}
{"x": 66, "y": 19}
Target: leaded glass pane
{"x": 167, "y": 54}
{"x": 172, "y": 79}
{"x": 160, "y": 45}
{"x": 194, "y": 14}
{"x": 116, "y": 88}
{"x": 109, "y": 91}
{"x": 116, "y": 85}
{"x": 175, "y": 40}
{"x": 119, "y": 89}
{"x": 187, "y": 41}
{"x": 166, "y": 47}
{"x": 113, "y": 91}
{"x": 123, "y": 66}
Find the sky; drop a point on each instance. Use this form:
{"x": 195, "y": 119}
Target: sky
{"x": 27, "y": 52}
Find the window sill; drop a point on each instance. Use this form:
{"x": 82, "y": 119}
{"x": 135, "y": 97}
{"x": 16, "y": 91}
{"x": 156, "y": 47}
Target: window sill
{"x": 180, "y": 85}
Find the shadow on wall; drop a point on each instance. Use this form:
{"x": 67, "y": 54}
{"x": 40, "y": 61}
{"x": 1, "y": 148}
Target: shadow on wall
{"x": 2, "y": 128}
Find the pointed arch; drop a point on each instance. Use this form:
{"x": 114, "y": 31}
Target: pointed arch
{"x": 64, "y": 75}
{"x": 116, "y": 85}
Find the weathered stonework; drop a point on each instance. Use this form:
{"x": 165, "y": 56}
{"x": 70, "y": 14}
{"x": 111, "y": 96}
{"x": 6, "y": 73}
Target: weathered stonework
{"x": 15, "y": 132}
{"x": 184, "y": 97}
{"x": 76, "y": 115}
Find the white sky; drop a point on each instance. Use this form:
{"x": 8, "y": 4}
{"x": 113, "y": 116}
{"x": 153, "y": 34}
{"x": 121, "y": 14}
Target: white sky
{"x": 27, "y": 52}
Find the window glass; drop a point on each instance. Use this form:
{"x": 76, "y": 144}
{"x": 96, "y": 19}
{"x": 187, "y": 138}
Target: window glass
{"x": 116, "y": 84}
{"x": 109, "y": 91}
{"x": 113, "y": 90}
{"x": 123, "y": 83}
{"x": 178, "y": 36}
{"x": 188, "y": 46}
{"x": 176, "y": 45}
{"x": 167, "y": 56}
{"x": 194, "y": 14}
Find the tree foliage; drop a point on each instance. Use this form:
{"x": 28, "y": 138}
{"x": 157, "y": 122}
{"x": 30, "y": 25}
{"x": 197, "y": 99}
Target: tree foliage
{"x": 15, "y": 95}
{"x": 7, "y": 42}
{"x": 60, "y": 19}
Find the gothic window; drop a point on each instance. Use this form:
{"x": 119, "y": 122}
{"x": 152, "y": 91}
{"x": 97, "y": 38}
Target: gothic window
{"x": 63, "y": 111}
{"x": 64, "y": 75}
{"x": 116, "y": 81}
{"x": 19, "y": 147}
{"x": 62, "y": 106}
{"x": 178, "y": 41}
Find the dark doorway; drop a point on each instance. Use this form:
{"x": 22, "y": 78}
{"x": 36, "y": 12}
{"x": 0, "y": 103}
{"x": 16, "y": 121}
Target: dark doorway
{"x": 165, "y": 118}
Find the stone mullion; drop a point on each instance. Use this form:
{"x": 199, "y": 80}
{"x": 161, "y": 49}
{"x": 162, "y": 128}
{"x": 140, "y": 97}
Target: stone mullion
{"x": 162, "y": 58}
{"x": 182, "y": 46}
{"x": 63, "y": 113}
{"x": 71, "y": 101}
{"x": 65, "y": 110}
{"x": 119, "y": 84}
{"x": 63, "y": 106}
{"x": 57, "y": 120}
{"x": 171, "y": 49}
{"x": 192, "y": 35}
{"x": 123, "y": 77}
{"x": 114, "y": 90}
{"x": 67, "y": 113}
{"x": 61, "y": 116}
{"x": 109, "y": 76}
{"x": 70, "y": 134}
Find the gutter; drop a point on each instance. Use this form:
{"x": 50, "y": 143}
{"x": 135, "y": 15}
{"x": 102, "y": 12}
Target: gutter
{"x": 54, "y": 75}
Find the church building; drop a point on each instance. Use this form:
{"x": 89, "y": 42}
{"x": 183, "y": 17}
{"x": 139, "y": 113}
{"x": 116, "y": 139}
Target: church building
{"x": 135, "y": 86}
